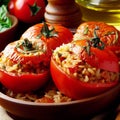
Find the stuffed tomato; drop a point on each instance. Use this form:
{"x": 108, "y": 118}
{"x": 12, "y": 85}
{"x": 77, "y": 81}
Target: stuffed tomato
{"x": 24, "y": 65}
{"x": 107, "y": 34}
{"x": 53, "y": 35}
{"x": 82, "y": 68}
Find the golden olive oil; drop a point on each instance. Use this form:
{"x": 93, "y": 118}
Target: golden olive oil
{"x": 101, "y": 10}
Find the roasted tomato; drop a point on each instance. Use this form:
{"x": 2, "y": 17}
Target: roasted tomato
{"x": 28, "y": 11}
{"x": 39, "y": 37}
{"x": 24, "y": 82}
{"x": 52, "y": 35}
{"x": 27, "y": 51}
{"x": 85, "y": 68}
{"x": 107, "y": 34}
{"x": 30, "y": 56}
{"x": 23, "y": 65}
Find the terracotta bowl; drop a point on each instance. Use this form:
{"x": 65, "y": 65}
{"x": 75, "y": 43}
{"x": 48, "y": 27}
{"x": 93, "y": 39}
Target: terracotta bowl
{"x": 9, "y": 34}
{"x": 58, "y": 111}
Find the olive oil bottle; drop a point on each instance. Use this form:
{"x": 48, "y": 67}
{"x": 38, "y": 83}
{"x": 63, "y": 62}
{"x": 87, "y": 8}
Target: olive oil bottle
{"x": 101, "y": 10}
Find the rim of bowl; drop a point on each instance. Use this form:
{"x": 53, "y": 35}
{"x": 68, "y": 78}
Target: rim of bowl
{"x": 14, "y": 22}
{"x": 13, "y": 100}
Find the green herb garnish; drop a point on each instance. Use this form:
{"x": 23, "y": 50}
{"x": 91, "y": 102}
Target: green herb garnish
{"x": 5, "y": 21}
{"x": 48, "y": 31}
{"x": 94, "y": 42}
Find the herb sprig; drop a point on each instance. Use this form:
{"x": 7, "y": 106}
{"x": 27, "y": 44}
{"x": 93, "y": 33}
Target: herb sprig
{"x": 5, "y": 21}
{"x": 94, "y": 42}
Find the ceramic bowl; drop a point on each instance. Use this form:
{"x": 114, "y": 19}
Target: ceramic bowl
{"x": 57, "y": 111}
{"x": 9, "y": 34}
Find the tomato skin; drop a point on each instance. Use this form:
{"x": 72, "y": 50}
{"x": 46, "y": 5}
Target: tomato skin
{"x": 27, "y": 82}
{"x": 32, "y": 71}
{"x": 45, "y": 100}
{"x": 116, "y": 50}
{"x": 75, "y": 88}
{"x": 64, "y": 35}
{"x": 11, "y": 6}
{"x": 13, "y": 54}
{"x": 107, "y": 33}
{"x": 104, "y": 61}
{"x": 32, "y": 34}
{"x": 99, "y": 58}
{"x": 21, "y": 9}
{"x": 24, "y": 82}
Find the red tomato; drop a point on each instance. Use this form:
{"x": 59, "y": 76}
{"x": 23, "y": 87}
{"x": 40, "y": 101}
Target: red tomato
{"x": 30, "y": 68}
{"x": 52, "y": 35}
{"x": 28, "y": 11}
{"x": 107, "y": 33}
{"x": 45, "y": 100}
{"x": 116, "y": 50}
{"x": 32, "y": 54}
{"x": 99, "y": 58}
{"x": 17, "y": 52}
{"x": 77, "y": 89}
{"x": 24, "y": 82}
{"x": 45, "y": 39}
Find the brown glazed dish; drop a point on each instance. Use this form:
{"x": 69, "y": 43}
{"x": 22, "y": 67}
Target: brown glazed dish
{"x": 56, "y": 111}
{"x": 9, "y": 34}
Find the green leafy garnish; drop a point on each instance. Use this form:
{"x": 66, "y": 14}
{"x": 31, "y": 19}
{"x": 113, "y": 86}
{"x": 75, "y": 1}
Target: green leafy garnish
{"x": 48, "y": 31}
{"x": 26, "y": 45}
{"x": 94, "y": 42}
{"x": 5, "y": 21}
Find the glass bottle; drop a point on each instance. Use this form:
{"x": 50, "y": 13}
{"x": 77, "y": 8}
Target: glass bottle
{"x": 101, "y": 10}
